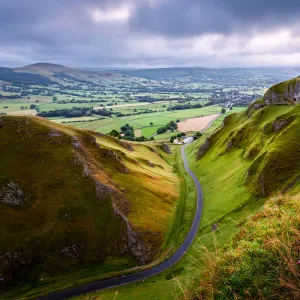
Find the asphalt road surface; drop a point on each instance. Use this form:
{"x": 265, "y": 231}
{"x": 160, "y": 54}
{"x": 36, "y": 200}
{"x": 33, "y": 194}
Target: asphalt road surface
{"x": 123, "y": 280}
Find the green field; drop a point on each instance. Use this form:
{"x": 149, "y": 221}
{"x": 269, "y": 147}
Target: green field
{"x": 143, "y": 121}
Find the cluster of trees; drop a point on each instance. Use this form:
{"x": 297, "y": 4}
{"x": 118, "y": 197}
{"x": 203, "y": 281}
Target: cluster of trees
{"x": 67, "y": 113}
{"x": 178, "y": 136}
{"x": 198, "y": 135}
{"x": 189, "y": 106}
{"x": 170, "y": 126}
{"x": 101, "y": 112}
{"x": 128, "y": 134}
{"x": 185, "y": 106}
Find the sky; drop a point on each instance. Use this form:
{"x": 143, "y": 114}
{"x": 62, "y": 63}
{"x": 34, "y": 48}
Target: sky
{"x": 150, "y": 33}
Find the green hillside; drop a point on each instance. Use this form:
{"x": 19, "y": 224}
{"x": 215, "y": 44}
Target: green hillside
{"x": 247, "y": 246}
{"x": 251, "y": 158}
{"x": 76, "y": 206}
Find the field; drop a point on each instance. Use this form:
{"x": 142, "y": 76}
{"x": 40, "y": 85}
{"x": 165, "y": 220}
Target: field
{"x": 196, "y": 124}
{"x": 143, "y": 121}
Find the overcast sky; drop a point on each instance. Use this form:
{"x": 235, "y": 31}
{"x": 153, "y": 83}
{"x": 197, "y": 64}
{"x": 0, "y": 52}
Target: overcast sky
{"x": 150, "y": 33}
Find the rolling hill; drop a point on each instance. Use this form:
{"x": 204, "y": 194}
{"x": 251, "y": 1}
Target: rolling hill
{"x": 45, "y": 73}
{"x": 76, "y": 205}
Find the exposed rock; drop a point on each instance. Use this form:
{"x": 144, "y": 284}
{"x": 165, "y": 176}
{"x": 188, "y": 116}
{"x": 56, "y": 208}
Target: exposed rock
{"x": 90, "y": 139}
{"x": 230, "y": 144}
{"x": 12, "y": 194}
{"x": 283, "y": 92}
{"x": 149, "y": 163}
{"x": 53, "y": 133}
{"x": 151, "y": 149}
{"x": 126, "y": 145}
{"x": 123, "y": 169}
{"x": 75, "y": 142}
{"x": 255, "y": 106}
{"x": 103, "y": 191}
{"x": 280, "y": 123}
{"x": 204, "y": 147}
{"x": 214, "y": 227}
{"x": 72, "y": 251}
{"x": 134, "y": 240}
{"x": 166, "y": 148}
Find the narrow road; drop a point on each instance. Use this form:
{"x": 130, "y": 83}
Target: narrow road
{"x": 123, "y": 280}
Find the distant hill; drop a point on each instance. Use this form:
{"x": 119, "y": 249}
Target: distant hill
{"x": 217, "y": 75}
{"x": 9, "y": 75}
{"x": 45, "y": 73}
{"x": 165, "y": 73}
{"x": 77, "y": 202}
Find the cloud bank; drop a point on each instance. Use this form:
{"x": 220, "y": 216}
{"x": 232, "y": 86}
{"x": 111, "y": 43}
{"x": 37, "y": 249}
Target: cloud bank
{"x": 150, "y": 33}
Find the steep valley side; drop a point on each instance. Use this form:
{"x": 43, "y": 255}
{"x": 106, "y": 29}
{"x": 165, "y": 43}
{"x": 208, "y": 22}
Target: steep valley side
{"x": 78, "y": 205}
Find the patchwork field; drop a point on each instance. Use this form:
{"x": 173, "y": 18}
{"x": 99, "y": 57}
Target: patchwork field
{"x": 143, "y": 121}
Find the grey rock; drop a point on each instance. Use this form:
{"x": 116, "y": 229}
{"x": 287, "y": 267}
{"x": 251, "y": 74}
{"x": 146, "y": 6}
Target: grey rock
{"x": 12, "y": 194}
{"x": 166, "y": 148}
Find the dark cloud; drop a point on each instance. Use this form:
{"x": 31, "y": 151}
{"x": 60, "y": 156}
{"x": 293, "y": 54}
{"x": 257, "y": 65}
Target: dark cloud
{"x": 193, "y": 17}
{"x": 67, "y": 32}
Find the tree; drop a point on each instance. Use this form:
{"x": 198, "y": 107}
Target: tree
{"x": 126, "y": 128}
{"x": 223, "y": 111}
{"x": 197, "y": 135}
{"x": 114, "y": 133}
{"x": 140, "y": 139}
{"x": 129, "y": 133}
{"x": 151, "y": 123}
{"x": 54, "y": 98}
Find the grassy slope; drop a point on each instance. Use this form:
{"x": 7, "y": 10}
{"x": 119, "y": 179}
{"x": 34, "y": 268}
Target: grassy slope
{"x": 229, "y": 199}
{"x": 64, "y": 208}
{"x": 261, "y": 261}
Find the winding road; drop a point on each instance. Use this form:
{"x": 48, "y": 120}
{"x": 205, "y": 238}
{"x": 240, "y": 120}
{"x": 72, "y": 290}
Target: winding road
{"x": 123, "y": 280}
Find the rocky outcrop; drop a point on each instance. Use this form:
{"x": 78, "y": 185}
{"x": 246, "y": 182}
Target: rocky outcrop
{"x": 278, "y": 124}
{"x": 135, "y": 242}
{"x": 166, "y": 148}
{"x": 126, "y": 145}
{"x": 12, "y": 194}
{"x": 282, "y": 93}
{"x": 204, "y": 147}
{"x": 287, "y": 92}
